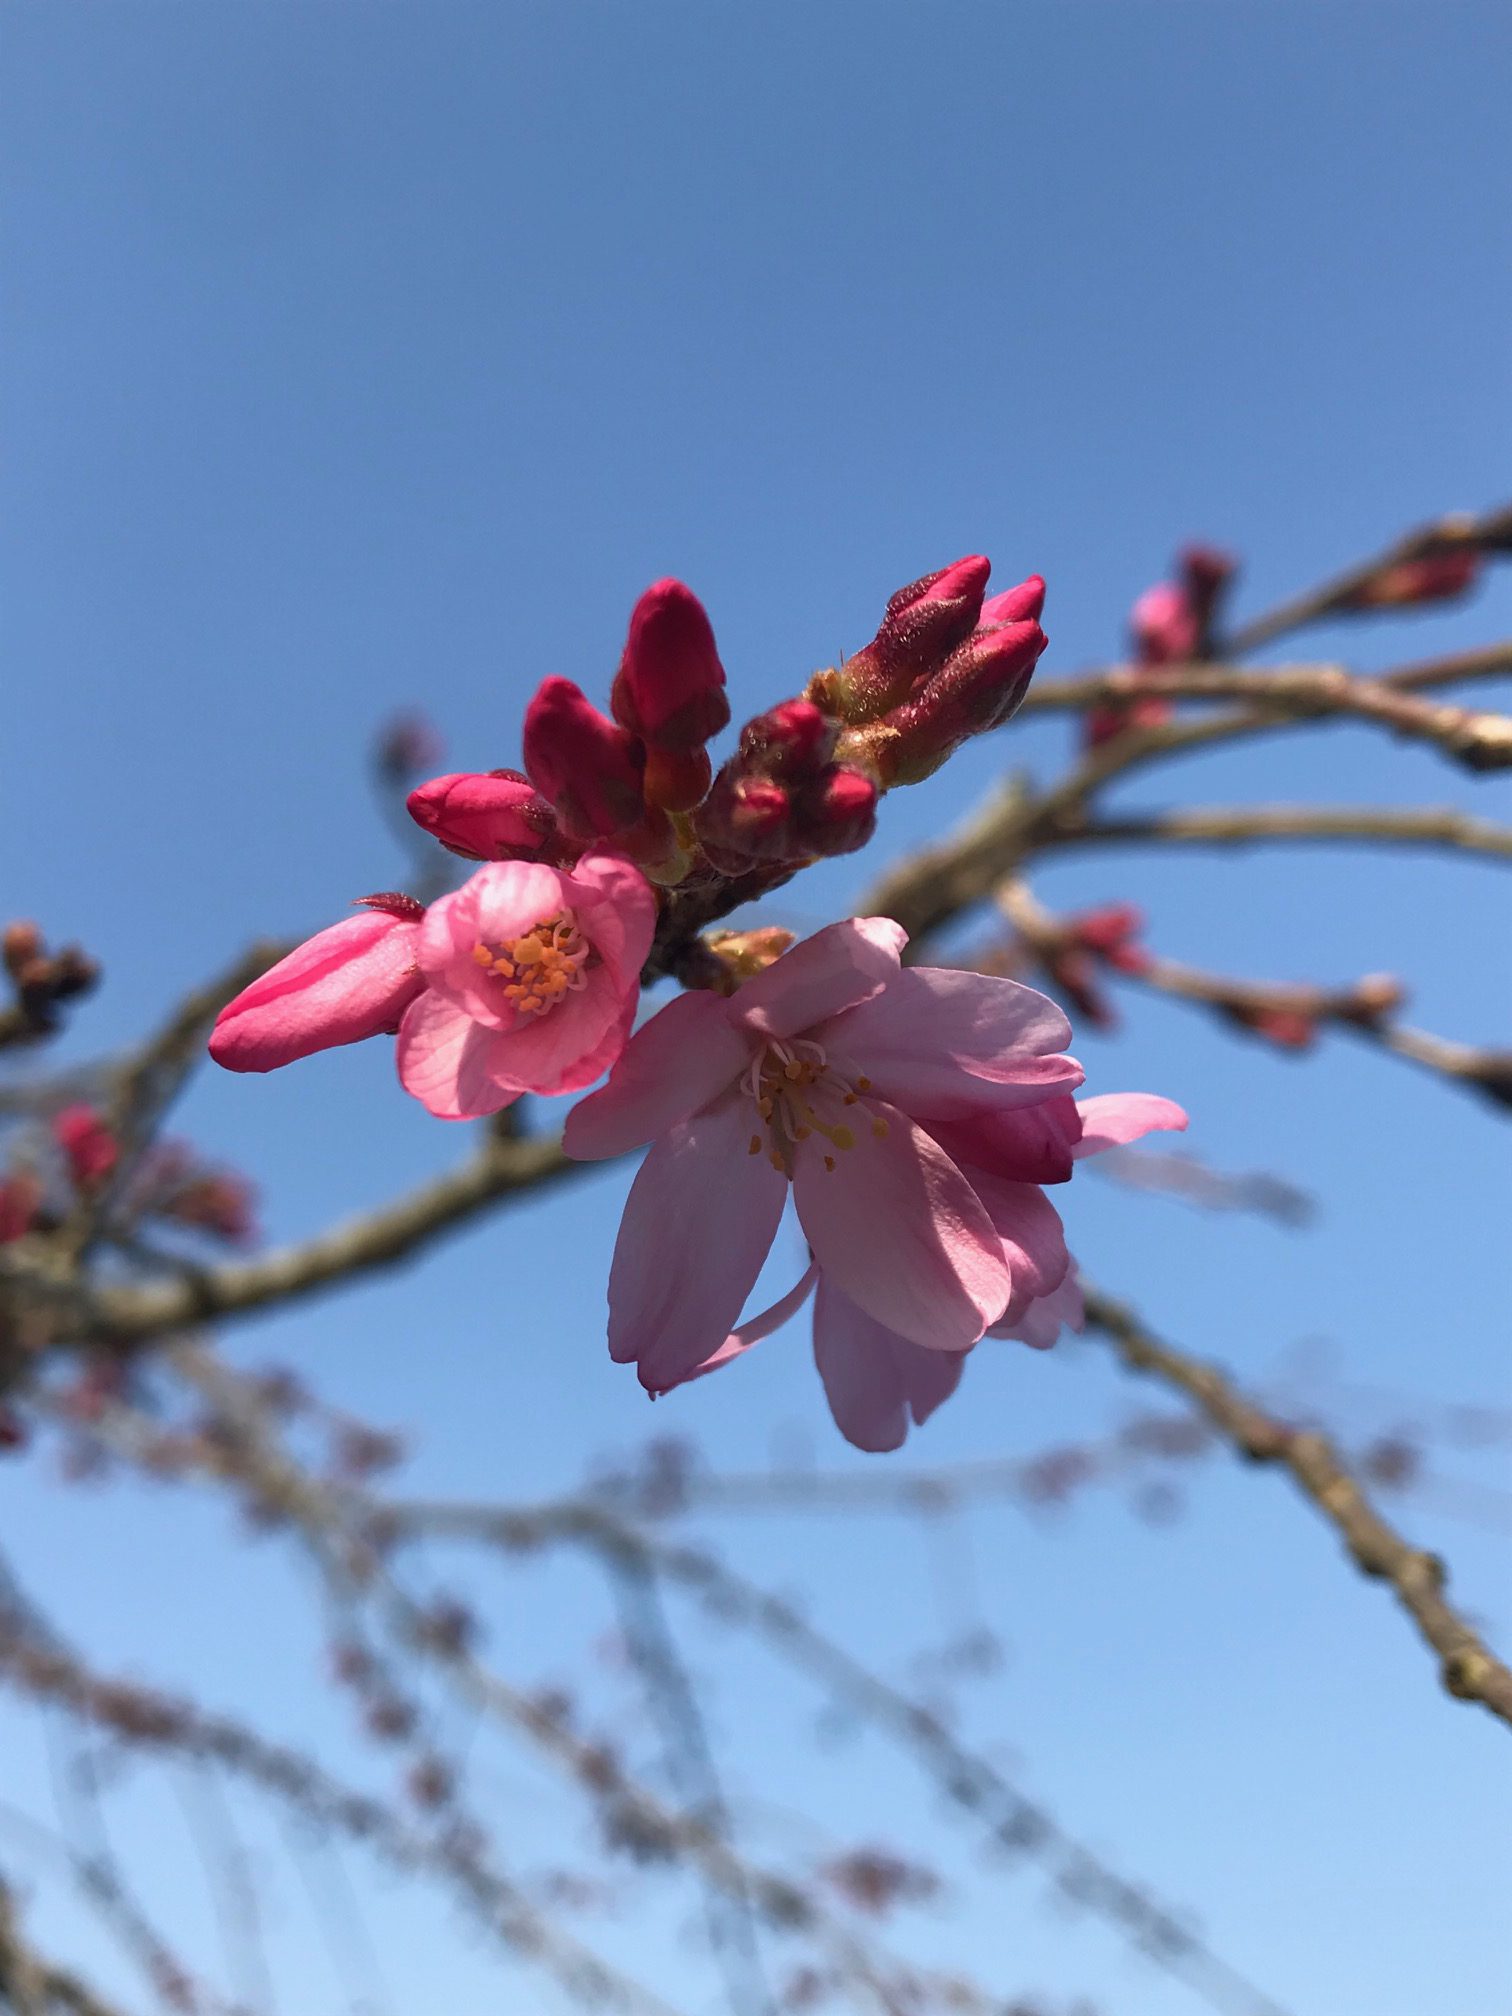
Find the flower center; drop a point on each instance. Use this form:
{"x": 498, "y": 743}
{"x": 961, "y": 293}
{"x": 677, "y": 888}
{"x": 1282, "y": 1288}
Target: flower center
{"x": 542, "y": 967}
{"x": 797, "y": 1096}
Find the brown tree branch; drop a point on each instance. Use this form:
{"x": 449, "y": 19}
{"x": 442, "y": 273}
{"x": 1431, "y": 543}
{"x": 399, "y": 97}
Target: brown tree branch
{"x": 1243, "y": 825}
{"x": 1469, "y": 1669}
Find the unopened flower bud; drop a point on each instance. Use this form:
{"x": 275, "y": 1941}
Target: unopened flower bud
{"x": 1207, "y": 573}
{"x": 746, "y": 819}
{"x": 670, "y": 687}
{"x": 1437, "y": 577}
{"x": 838, "y": 813}
{"x": 1377, "y": 994}
{"x": 922, "y": 625}
{"x": 793, "y": 740}
{"x": 1163, "y": 627}
{"x": 494, "y": 816}
{"x": 22, "y": 943}
{"x": 588, "y": 767}
{"x": 89, "y": 1145}
{"x": 1108, "y": 927}
{"x": 20, "y": 1203}
{"x": 1287, "y": 1028}
{"x": 979, "y": 688}
{"x": 1023, "y": 604}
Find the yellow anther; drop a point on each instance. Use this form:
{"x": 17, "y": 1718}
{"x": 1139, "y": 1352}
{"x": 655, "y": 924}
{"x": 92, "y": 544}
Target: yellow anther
{"x": 755, "y": 1147}
{"x": 879, "y": 1128}
{"x": 483, "y": 956}
{"x": 863, "y": 1084}
{"x": 829, "y": 1161}
{"x": 793, "y": 1071}
{"x": 843, "y": 1137}
{"x": 849, "y": 1099}
{"x": 766, "y": 1107}
{"x": 776, "y": 1161}
{"x": 528, "y": 950}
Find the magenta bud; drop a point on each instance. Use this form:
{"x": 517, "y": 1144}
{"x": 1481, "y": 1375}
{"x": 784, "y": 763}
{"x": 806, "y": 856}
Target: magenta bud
{"x": 979, "y": 688}
{"x": 1023, "y": 604}
{"x": 838, "y": 813}
{"x": 922, "y": 625}
{"x": 493, "y": 816}
{"x": 747, "y": 818}
{"x": 670, "y": 687}
{"x": 677, "y": 779}
{"x": 1163, "y": 626}
{"x": 792, "y": 740}
{"x": 1437, "y": 577}
{"x": 578, "y": 759}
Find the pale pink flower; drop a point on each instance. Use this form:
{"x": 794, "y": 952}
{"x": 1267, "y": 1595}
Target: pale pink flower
{"x": 828, "y": 1073}
{"x": 531, "y": 976}
{"x": 877, "y": 1381}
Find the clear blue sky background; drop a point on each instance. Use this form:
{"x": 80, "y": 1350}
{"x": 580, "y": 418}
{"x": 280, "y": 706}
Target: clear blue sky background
{"x": 371, "y": 355}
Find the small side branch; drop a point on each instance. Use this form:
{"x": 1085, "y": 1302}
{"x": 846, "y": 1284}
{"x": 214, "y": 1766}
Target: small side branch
{"x": 1469, "y": 1669}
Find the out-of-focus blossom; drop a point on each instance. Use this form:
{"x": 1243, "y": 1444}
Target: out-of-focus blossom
{"x": 407, "y": 746}
{"x": 88, "y": 1144}
{"x": 353, "y": 980}
{"x": 1170, "y": 624}
{"x": 530, "y": 977}
{"x": 1437, "y": 577}
{"x": 826, "y": 1073}
{"x": 497, "y": 815}
{"x": 20, "y": 1205}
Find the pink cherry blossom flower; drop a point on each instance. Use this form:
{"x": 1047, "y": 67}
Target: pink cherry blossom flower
{"x": 827, "y": 1074}
{"x": 877, "y": 1381}
{"x": 531, "y": 976}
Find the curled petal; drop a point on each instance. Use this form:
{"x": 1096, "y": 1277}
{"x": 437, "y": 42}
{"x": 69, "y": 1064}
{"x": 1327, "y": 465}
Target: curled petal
{"x": 759, "y": 1327}
{"x": 699, "y": 1222}
{"x": 1113, "y": 1119}
{"x": 1042, "y": 1322}
{"x": 1034, "y": 1240}
{"x": 1026, "y": 1144}
{"x": 448, "y": 1061}
{"x": 945, "y": 1044}
{"x": 897, "y": 1226}
{"x": 838, "y": 967}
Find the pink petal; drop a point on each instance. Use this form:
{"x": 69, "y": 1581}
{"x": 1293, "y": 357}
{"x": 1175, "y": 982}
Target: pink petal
{"x": 874, "y": 1379}
{"x": 699, "y": 1222}
{"x": 1030, "y": 1144}
{"x": 502, "y": 901}
{"x": 839, "y": 966}
{"x": 686, "y": 1055}
{"x": 572, "y": 1045}
{"x": 351, "y": 981}
{"x": 446, "y": 1060}
{"x": 1041, "y": 1323}
{"x": 740, "y": 1341}
{"x": 898, "y": 1227}
{"x": 1034, "y": 1240}
{"x": 946, "y": 1044}
{"x": 616, "y": 909}
{"x": 1114, "y": 1118}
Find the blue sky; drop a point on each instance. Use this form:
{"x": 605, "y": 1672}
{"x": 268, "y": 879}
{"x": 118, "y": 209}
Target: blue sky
{"x": 378, "y": 355}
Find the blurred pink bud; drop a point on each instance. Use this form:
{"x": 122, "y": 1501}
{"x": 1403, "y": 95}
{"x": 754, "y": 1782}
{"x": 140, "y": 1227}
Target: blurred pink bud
{"x": 218, "y": 1201}
{"x": 1287, "y": 1028}
{"x": 1106, "y": 928}
{"x": 89, "y": 1145}
{"x": 1163, "y": 626}
{"x": 12, "y": 1431}
{"x": 838, "y": 813}
{"x": 20, "y": 1201}
{"x": 351, "y": 981}
{"x": 670, "y": 687}
{"x": 922, "y": 625}
{"x": 1437, "y": 577}
{"x": 588, "y": 767}
{"x": 406, "y": 745}
{"x": 1117, "y": 717}
{"x": 496, "y": 815}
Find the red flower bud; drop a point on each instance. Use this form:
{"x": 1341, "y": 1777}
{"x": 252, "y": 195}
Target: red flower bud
{"x": 746, "y": 819}
{"x": 1437, "y": 577}
{"x": 978, "y": 688}
{"x": 922, "y": 625}
{"x": 1116, "y": 717}
{"x": 20, "y": 1201}
{"x": 793, "y": 740}
{"x": 587, "y": 767}
{"x": 497, "y": 816}
{"x": 669, "y": 689}
{"x": 1287, "y": 1028}
{"x": 1107, "y": 928}
{"x": 1023, "y": 604}
{"x": 89, "y": 1145}
{"x": 838, "y": 813}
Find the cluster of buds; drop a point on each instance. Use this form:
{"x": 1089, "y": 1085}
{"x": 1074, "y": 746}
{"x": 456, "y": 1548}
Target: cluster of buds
{"x": 172, "y": 1183}
{"x": 805, "y": 776}
{"x": 1072, "y": 955}
{"x": 1173, "y": 623}
{"x": 43, "y": 979}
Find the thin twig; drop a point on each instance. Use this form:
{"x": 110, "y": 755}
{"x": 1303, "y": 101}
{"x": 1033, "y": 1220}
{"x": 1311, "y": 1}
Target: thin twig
{"x": 1469, "y": 1669}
